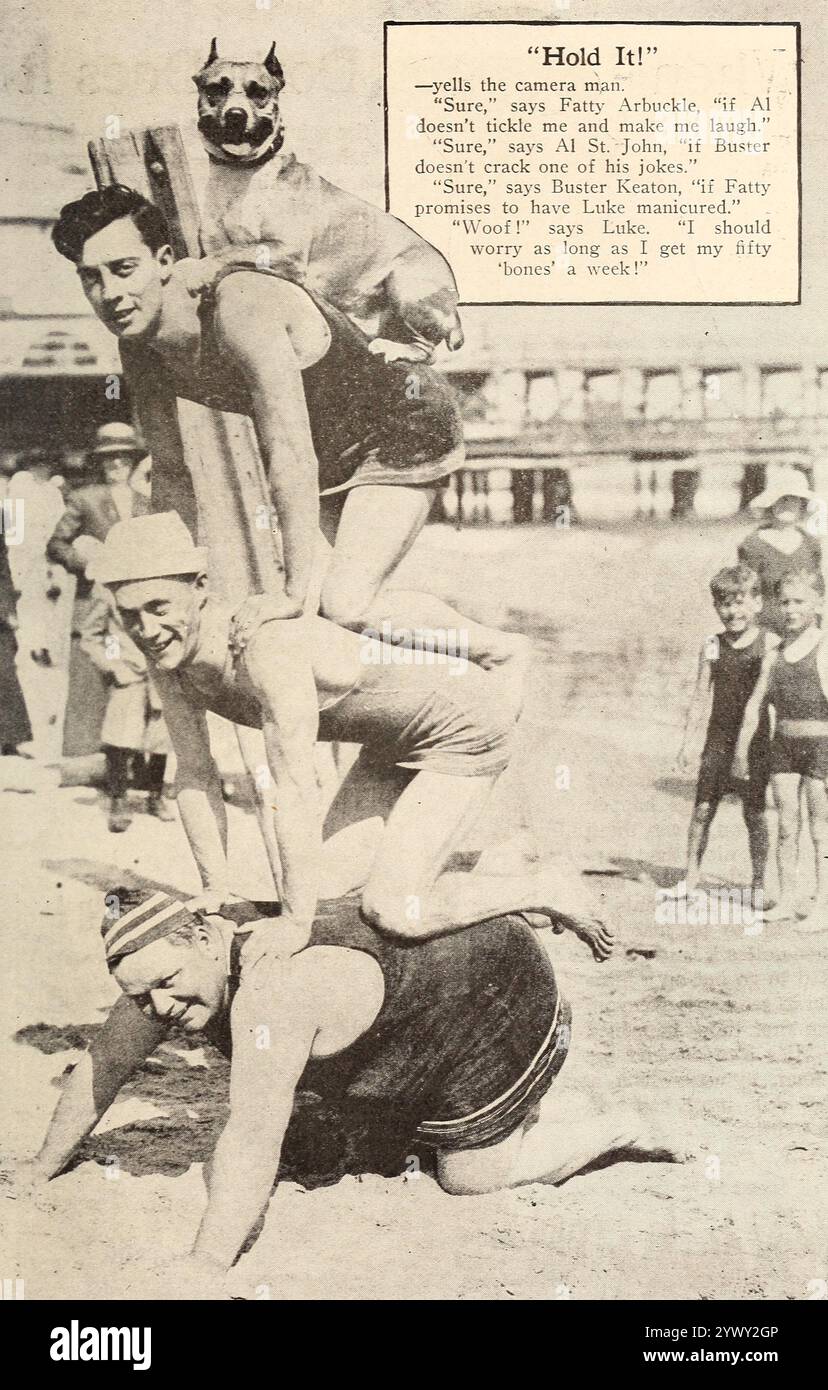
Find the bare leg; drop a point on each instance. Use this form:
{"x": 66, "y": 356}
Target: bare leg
{"x": 816, "y": 795}
{"x": 552, "y": 1150}
{"x": 406, "y": 892}
{"x": 376, "y": 529}
{"x": 697, "y": 837}
{"x": 757, "y": 829}
{"x": 786, "y": 795}
{"x": 355, "y": 824}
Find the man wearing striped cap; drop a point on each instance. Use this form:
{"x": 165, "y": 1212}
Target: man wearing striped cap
{"x": 452, "y": 1047}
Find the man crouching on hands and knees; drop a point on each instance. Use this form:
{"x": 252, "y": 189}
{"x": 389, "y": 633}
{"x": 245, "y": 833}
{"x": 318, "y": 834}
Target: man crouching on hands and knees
{"x": 451, "y": 1047}
{"x": 434, "y": 740}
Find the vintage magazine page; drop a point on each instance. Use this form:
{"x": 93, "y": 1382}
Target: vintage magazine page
{"x": 414, "y": 710}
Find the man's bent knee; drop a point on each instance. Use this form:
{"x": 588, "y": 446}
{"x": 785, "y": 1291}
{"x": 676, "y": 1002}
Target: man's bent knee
{"x": 345, "y": 605}
{"x": 461, "y": 1175}
{"x": 394, "y": 914}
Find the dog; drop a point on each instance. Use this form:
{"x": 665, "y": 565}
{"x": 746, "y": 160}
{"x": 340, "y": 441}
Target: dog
{"x": 391, "y": 282}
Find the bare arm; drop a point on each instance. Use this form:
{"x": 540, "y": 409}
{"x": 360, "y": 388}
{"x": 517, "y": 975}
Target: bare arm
{"x": 699, "y": 703}
{"x": 125, "y": 1041}
{"x": 262, "y": 328}
{"x": 275, "y": 1018}
{"x": 203, "y": 813}
{"x": 276, "y": 668}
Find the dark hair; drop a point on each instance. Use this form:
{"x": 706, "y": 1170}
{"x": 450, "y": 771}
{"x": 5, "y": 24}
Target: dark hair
{"x": 812, "y": 579}
{"x": 736, "y": 579}
{"x": 90, "y": 214}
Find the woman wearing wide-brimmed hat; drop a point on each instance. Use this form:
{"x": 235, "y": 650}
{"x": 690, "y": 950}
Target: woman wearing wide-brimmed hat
{"x": 785, "y": 539}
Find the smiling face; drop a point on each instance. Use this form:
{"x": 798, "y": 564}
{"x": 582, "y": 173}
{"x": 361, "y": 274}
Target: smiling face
{"x": 738, "y": 611}
{"x": 800, "y": 605}
{"x": 123, "y": 279}
{"x": 238, "y": 107}
{"x": 178, "y": 982}
{"x": 163, "y": 617}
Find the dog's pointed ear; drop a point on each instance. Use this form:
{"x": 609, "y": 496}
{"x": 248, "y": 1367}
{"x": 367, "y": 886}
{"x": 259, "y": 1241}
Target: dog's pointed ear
{"x": 274, "y": 67}
{"x": 213, "y": 55}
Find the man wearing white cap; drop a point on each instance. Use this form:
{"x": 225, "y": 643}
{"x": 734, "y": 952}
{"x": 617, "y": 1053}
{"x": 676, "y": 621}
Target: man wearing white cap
{"x": 434, "y": 739}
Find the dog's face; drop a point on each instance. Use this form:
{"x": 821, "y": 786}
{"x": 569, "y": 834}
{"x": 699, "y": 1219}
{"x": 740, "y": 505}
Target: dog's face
{"x": 238, "y": 107}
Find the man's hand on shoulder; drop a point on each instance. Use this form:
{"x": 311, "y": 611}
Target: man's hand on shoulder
{"x": 254, "y": 612}
{"x": 275, "y": 938}
{"x": 210, "y": 902}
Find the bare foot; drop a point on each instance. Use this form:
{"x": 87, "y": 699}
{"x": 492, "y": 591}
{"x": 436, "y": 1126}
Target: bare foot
{"x": 678, "y": 890}
{"x": 509, "y": 661}
{"x": 815, "y": 920}
{"x": 782, "y": 912}
{"x": 597, "y": 935}
{"x": 567, "y": 904}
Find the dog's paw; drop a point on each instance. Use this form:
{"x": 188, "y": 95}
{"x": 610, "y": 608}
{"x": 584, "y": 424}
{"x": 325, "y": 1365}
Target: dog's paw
{"x": 196, "y": 275}
{"x": 398, "y": 352}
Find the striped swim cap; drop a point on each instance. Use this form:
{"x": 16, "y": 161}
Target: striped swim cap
{"x": 135, "y": 917}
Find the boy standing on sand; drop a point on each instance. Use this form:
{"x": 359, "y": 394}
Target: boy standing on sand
{"x": 729, "y": 668}
{"x": 794, "y": 680}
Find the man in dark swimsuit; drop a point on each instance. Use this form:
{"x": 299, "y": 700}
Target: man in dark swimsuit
{"x": 452, "y": 1047}
{"x": 330, "y": 417}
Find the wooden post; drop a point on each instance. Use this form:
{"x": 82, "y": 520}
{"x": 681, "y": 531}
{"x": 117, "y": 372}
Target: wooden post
{"x": 229, "y": 480}
{"x": 235, "y": 517}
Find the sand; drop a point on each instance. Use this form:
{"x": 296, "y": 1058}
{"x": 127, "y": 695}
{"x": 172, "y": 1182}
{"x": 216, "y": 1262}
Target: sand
{"x": 712, "y": 1029}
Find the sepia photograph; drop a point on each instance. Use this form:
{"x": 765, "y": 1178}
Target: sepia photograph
{"x": 414, "y": 713}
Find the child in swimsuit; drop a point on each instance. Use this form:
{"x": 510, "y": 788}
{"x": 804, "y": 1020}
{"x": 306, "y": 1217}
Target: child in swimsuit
{"x": 729, "y": 667}
{"x": 793, "y": 682}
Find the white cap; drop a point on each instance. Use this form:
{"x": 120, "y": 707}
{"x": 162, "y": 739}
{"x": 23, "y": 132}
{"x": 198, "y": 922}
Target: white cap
{"x": 157, "y": 546}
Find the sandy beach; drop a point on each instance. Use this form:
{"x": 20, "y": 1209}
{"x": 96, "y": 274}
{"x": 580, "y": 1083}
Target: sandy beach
{"x": 715, "y": 1028}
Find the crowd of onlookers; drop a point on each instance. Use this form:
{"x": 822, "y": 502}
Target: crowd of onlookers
{"x": 72, "y": 683}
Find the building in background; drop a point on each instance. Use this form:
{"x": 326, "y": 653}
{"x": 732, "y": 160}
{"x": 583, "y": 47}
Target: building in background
{"x": 58, "y": 365}
{"x": 661, "y": 418}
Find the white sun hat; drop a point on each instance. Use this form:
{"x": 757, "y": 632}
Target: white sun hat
{"x": 157, "y": 546}
{"x": 788, "y": 484}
